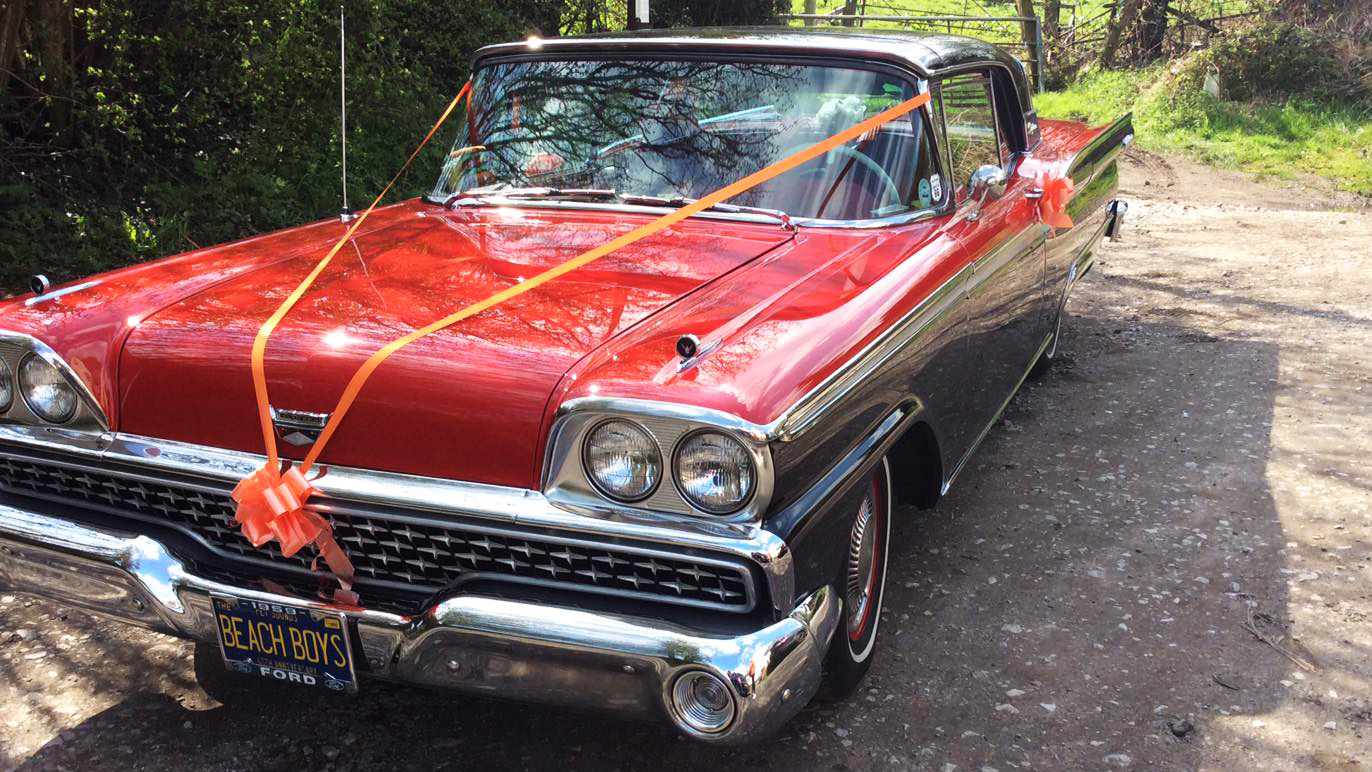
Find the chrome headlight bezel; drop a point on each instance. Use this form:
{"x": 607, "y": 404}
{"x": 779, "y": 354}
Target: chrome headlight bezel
{"x": 86, "y": 415}
{"x": 8, "y": 386}
{"x": 567, "y": 485}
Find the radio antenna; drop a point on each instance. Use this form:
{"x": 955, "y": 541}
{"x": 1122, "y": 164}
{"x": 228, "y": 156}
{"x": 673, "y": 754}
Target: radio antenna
{"x": 347, "y": 213}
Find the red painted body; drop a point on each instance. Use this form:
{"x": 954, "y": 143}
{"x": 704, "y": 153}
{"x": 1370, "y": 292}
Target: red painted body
{"x": 164, "y": 346}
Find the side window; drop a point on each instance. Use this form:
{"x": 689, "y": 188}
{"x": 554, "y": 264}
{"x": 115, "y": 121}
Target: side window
{"x": 969, "y": 117}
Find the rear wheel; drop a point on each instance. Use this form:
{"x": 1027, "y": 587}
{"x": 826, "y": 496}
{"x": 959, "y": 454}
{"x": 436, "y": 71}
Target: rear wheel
{"x": 863, "y": 583}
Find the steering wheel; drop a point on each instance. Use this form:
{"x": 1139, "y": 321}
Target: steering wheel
{"x": 890, "y": 194}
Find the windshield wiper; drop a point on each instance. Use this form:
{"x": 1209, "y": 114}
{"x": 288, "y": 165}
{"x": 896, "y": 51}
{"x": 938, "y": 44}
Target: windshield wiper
{"x": 478, "y": 195}
{"x": 680, "y": 201}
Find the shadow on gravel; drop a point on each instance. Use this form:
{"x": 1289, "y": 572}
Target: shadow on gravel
{"x": 1084, "y": 583}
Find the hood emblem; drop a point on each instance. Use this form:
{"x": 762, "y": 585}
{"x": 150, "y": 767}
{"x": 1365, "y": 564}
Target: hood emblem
{"x": 298, "y": 427}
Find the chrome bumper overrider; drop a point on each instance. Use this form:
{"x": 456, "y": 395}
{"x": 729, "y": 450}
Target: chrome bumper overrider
{"x": 483, "y": 645}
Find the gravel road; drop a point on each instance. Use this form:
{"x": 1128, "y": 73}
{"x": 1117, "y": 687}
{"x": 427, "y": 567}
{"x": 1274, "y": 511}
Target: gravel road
{"x": 1198, "y": 460}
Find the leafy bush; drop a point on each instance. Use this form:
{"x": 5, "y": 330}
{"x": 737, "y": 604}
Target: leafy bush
{"x": 1273, "y": 60}
{"x": 134, "y": 130}
{"x": 211, "y": 119}
{"x": 1281, "y": 137}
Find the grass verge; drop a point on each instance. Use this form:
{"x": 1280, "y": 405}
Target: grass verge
{"x": 1274, "y": 139}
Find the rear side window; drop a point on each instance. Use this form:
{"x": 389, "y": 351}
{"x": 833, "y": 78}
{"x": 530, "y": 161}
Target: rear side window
{"x": 969, "y": 117}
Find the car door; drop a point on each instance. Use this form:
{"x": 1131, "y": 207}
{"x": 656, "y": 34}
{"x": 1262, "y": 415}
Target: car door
{"x": 1000, "y": 229}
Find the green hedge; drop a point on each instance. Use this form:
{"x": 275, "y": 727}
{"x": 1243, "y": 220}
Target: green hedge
{"x": 134, "y": 130}
{"x": 198, "y": 121}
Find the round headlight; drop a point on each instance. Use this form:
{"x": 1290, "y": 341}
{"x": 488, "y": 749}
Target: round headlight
{"x": 6, "y": 386}
{"x": 45, "y": 390}
{"x": 622, "y": 461}
{"x": 714, "y": 472}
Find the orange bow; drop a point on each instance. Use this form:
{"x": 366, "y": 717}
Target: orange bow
{"x": 1057, "y": 191}
{"x": 271, "y": 505}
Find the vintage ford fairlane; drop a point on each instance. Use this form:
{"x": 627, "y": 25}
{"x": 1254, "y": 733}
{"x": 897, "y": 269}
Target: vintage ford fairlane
{"x": 659, "y": 484}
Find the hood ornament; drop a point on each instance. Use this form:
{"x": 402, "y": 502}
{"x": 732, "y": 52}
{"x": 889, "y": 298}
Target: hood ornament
{"x": 298, "y": 427}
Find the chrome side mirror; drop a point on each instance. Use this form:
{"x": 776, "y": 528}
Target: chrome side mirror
{"x": 986, "y": 181}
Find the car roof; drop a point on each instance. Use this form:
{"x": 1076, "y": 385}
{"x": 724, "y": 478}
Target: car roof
{"x": 926, "y": 53}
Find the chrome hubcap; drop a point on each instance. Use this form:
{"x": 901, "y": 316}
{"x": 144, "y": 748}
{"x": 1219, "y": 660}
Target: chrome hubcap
{"x": 861, "y": 560}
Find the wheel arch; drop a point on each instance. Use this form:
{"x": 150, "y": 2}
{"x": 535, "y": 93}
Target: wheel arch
{"x": 917, "y": 465}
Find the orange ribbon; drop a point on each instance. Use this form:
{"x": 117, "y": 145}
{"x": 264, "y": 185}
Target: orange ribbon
{"x": 256, "y": 494}
{"x": 271, "y": 503}
{"x": 1057, "y": 191}
{"x": 270, "y": 506}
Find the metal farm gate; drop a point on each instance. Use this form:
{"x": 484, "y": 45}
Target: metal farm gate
{"x": 1021, "y": 36}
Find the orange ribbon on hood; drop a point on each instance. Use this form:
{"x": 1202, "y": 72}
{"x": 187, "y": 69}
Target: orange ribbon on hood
{"x": 273, "y": 502}
{"x": 1057, "y": 191}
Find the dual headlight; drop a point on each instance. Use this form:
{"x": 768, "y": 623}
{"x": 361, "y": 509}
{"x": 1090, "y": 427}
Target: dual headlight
{"x": 712, "y": 470}
{"x": 43, "y": 387}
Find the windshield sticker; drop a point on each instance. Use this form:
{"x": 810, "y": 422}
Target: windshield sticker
{"x": 936, "y": 188}
{"x": 924, "y": 196}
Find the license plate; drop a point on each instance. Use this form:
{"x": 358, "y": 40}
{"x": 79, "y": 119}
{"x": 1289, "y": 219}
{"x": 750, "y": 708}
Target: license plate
{"x": 285, "y": 643}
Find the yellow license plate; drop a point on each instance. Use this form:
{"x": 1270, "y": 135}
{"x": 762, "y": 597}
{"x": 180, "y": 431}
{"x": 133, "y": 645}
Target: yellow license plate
{"x": 285, "y": 643}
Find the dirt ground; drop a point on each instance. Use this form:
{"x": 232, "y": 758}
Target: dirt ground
{"x": 1197, "y": 461}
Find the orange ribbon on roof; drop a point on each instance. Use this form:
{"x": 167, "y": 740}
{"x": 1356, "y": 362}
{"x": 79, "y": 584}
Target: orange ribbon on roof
{"x": 272, "y": 504}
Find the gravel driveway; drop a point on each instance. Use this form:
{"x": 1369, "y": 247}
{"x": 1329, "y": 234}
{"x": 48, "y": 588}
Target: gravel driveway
{"x": 1198, "y": 461}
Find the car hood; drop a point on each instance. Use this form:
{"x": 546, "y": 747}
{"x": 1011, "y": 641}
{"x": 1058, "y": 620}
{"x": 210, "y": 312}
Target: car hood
{"x": 466, "y": 402}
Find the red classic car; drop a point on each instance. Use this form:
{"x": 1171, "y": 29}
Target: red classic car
{"x": 660, "y": 484}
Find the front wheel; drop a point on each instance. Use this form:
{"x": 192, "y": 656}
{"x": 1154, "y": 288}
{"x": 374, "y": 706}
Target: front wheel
{"x": 863, "y": 585}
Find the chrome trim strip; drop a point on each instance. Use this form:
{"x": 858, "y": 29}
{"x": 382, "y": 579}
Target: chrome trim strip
{"x": 46, "y": 296}
{"x": 803, "y": 415}
{"x": 806, "y": 411}
{"x": 89, "y": 416}
{"x": 482, "y": 645}
{"x": 493, "y": 503}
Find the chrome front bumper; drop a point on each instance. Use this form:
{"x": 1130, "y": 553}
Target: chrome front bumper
{"x": 481, "y": 645}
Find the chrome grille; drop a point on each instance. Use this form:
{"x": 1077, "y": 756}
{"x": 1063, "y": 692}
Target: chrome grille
{"x": 399, "y": 550}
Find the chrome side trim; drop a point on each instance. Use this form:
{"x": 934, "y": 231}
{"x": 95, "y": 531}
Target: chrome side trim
{"x": 89, "y": 416}
{"x": 803, "y": 415}
{"x": 495, "y": 504}
{"x": 806, "y": 412}
{"x": 473, "y": 644}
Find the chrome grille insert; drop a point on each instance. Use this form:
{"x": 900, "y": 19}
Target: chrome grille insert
{"x": 398, "y": 550}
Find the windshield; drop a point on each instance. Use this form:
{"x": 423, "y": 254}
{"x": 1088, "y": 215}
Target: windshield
{"x": 682, "y": 129}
